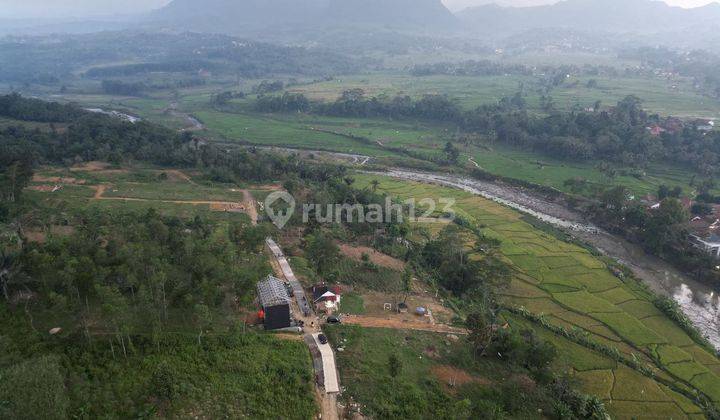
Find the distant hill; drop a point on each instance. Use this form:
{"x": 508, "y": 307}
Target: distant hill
{"x": 619, "y": 16}
{"x": 240, "y": 16}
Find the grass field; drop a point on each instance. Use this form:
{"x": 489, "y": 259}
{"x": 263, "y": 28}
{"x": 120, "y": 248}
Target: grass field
{"x": 574, "y": 289}
{"x": 543, "y": 170}
{"x": 435, "y": 375}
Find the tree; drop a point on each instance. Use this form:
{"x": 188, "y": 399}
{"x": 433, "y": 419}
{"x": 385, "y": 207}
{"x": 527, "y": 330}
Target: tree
{"x": 374, "y": 185}
{"x": 164, "y": 381}
{"x": 481, "y": 333}
{"x": 452, "y": 154}
{"x": 395, "y": 365}
{"x": 203, "y": 319}
{"x": 14, "y": 178}
{"x": 701, "y": 209}
{"x": 666, "y": 227}
{"x": 407, "y": 284}
{"x": 323, "y": 253}
{"x": 10, "y": 250}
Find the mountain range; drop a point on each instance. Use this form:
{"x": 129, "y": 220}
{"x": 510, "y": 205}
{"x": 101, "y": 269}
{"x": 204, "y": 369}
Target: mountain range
{"x": 616, "y": 16}
{"x": 238, "y": 16}
{"x": 291, "y": 17}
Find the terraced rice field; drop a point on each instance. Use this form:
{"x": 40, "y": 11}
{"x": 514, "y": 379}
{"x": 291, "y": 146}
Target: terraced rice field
{"x": 573, "y": 289}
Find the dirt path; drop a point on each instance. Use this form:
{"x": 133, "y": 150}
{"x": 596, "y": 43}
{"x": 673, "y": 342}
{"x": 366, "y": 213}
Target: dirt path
{"x": 99, "y": 191}
{"x": 180, "y": 175}
{"x": 472, "y": 160}
{"x": 250, "y": 209}
{"x": 328, "y": 406}
{"x": 400, "y": 324}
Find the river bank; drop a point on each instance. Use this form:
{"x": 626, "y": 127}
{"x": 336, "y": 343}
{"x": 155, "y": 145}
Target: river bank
{"x": 700, "y": 302}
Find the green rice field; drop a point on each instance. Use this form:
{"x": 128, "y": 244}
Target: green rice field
{"x": 575, "y": 290}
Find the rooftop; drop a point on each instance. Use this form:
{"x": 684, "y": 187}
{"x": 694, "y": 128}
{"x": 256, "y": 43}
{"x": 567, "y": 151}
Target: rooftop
{"x": 272, "y": 292}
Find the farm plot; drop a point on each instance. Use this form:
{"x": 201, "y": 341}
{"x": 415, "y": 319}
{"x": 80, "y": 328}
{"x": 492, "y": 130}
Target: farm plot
{"x": 268, "y": 131}
{"x": 563, "y": 280}
{"x": 170, "y": 192}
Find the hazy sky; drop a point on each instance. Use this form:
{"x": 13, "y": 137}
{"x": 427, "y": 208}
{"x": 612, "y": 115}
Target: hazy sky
{"x": 461, "y": 4}
{"x": 81, "y": 8}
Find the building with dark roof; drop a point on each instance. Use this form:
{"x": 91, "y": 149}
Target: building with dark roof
{"x": 275, "y": 303}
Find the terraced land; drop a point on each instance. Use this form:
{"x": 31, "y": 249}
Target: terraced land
{"x": 572, "y": 289}
{"x": 170, "y": 192}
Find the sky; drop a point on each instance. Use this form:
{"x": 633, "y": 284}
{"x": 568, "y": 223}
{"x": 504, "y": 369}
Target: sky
{"x": 461, "y": 4}
{"x": 85, "y": 8}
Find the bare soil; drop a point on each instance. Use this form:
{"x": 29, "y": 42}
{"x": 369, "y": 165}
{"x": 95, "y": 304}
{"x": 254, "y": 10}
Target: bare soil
{"x": 97, "y": 167}
{"x": 58, "y": 180}
{"x": 176, "y": 176}
{"x": 451, "y": 378}
{"x": 41, "y": 188}
{"x": 400, "y": 323}
{"x": 377, "y": 258}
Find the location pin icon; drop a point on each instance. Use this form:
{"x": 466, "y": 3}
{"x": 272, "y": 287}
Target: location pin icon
{"x": 280, "y": 218}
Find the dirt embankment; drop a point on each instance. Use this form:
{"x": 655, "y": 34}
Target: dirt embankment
{"x": 377, "y": 258}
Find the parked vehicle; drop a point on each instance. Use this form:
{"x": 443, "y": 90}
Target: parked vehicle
{"x": 334, "y": 320}
{"x": 322, "y": 339}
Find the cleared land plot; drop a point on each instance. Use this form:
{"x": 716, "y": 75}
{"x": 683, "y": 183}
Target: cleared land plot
{"x": 171, "y": 192}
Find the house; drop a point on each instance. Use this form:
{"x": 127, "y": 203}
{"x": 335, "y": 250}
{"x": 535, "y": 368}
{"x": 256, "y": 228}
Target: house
{"x": 705, "y": 125}
{"x": 326, "y": 298}
{"x": 274, "y": 303}
{"x": 686, "y": 203}
{"x": 655, "y": 130}
{"x": 704, "y": 235}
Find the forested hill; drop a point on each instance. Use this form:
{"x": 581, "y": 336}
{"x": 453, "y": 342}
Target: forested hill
{"x": 59, "y": 59}
{"x": 240, "y": 16}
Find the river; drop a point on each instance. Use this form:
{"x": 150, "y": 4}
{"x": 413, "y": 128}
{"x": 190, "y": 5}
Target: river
{"x": 700, "y": 302}
{"x": 115, "y": 114}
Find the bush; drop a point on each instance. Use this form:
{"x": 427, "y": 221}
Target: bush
{"x": 33, "y": 389}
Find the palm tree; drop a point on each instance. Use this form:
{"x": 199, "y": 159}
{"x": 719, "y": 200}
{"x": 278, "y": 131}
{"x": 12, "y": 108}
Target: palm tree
{"x": 375, "y": 184}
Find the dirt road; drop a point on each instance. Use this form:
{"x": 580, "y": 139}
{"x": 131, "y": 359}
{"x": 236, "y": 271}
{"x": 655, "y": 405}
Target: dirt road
{"x": 400, "y": 324}
{"x": 250, "y": 209}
